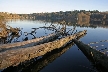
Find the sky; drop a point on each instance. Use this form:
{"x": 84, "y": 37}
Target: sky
{"x": 38, "y": 6}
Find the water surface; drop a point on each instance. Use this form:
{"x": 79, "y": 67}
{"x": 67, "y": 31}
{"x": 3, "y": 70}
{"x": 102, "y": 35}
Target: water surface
{"x": 71, "y": 60}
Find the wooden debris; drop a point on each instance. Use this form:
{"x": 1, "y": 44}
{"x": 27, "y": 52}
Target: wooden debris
{"x": 30, "y": 43}
{"x": 37, "y": 64}
{"x": 96, "y": 56}
{"x": 16, "y": 56}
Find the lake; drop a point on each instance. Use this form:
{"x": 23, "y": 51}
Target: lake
{"x": 67, "y": 59}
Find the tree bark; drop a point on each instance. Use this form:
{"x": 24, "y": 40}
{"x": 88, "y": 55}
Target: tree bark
{"x": 15, "y": 56}
{"x": 30, "y": 43}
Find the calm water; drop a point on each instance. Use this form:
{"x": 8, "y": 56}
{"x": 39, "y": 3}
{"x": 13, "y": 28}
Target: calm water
{"x": 71, "y": 60}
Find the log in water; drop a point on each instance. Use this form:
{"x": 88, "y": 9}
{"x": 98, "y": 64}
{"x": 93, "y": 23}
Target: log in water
{"x": 15, "y": 56}
{"x": 96, "y": 56}
{"x": 30, "y": 43}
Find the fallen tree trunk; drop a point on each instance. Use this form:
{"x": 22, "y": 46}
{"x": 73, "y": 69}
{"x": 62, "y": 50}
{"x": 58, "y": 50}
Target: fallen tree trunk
{"x": 36, "y": 66}
{"x": 94, "y": 55}
{"x": 15, "y": 56}
{"x": 30, "y": 43}
{"x": 39, "y": 64}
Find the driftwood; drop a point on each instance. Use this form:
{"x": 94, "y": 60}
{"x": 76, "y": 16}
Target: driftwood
{"x": 97, "y": 57}
{"x": 15, "y": 56}
{"x": 36, "y": 64}
{"x": 39, "y": 64}
{"x": 32, "y": 42}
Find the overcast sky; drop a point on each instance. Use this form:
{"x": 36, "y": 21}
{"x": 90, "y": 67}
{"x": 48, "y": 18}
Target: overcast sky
{"x": 34, "y": 6}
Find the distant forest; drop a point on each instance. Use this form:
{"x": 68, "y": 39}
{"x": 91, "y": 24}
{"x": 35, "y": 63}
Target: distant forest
{"x": 76, "y": 17}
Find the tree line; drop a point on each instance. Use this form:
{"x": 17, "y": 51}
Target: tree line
{"x": 76, "y": 16}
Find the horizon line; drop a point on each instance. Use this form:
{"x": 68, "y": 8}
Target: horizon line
{"x": 46, "y": 12}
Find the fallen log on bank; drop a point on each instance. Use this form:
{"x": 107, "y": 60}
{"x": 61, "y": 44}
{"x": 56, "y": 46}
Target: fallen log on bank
{"x": 15, "y": 56}
{"x": 4, "y": 31}
{"x": 96, "y": 56}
